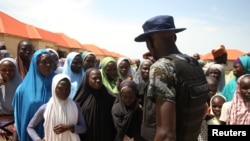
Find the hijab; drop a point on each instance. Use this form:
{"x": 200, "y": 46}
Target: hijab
{"x": 214, "y": 96}
{"x": 84, "y": 55}
{"x": 34, "y": 91}
{"x": 76, "y": 78}
{"x": 141, "y": 83}
{"x": 110, "y": 85}
{"x": 221, "y": 81}
{"x": 8, "y": 90}
{"x": 130, "y": 71}
{"x": 230, "y": 87}
{"x": 58, "y": 69}
{"x": 96, "y": 107}
{"x": 126, "y": 83}
{"x": 60, "y": 112}
{"x": 245, "y": 61}
{"x": 240, "y": 109}
{"x": 54, "y": 51}
{"x": 125, "y": 118}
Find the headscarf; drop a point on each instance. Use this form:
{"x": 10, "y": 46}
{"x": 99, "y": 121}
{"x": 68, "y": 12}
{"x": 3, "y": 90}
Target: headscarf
{"x": 127, "y": 120}
{"x": 59, "y": 68}
{"x": 245, "y": 61}
{"x": 141, "y": 83}
{"x": 96, "y": 107}
{"x": 4, "y": 54}
{"x": 211, "y": 105}
{"x": 52, "y": 50}
{"x": 85, "y": 54}
{"x": 8, "y": 90}
{"x": 230, "y": 87}
{"x": 221, "y": 81}
{"x": 76, "y": 78}
{"x": 127, "y": 83}
{"x": 239, "y": 113}
{"x": 60, "y": 112}
{"x": 110, "y": 85}
{"x": 130, "y": 71}
{"x": 34, "y": 91}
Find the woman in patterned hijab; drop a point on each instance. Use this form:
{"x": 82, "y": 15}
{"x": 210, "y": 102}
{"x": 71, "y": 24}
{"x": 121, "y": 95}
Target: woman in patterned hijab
{"x": 240, "y": 108}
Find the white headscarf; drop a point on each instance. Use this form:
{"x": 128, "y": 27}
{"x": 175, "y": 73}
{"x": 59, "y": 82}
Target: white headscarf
{"x": 8, "y": 89}
{"x": 141, "y": 83}
{"x": 130, "y": 71}
{"x": 52, "y": 50}
{"x": 60, "y": 112}
{"x": 211, "y": 105}
{"x": 221, "y": 81}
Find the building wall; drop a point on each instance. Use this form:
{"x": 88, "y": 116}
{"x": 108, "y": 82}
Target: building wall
{"x": 12, "y": 41}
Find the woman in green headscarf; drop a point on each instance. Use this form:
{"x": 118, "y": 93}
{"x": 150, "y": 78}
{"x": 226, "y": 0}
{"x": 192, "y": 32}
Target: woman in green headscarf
{"x": 109, "y": 72}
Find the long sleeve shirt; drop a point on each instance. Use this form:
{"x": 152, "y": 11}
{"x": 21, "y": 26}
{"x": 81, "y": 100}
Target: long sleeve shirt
{"x": 38, "y": 117}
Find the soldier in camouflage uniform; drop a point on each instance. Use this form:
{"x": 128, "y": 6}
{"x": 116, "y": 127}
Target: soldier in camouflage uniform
{"x": 160, "y": 36}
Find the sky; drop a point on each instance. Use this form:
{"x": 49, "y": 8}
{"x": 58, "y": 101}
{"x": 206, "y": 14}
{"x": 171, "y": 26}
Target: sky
{"x": 113, "y": 24}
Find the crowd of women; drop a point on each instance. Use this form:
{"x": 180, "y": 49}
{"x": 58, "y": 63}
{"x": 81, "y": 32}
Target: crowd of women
{"x": 79, "y": 100}
{"x": 82, "y": 100}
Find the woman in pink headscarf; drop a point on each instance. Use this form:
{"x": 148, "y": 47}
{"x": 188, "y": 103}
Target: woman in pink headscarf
{"x": 239, "y": 113}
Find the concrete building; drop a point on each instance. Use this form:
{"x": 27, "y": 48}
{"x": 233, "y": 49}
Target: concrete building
{"x": 12, "y": 31}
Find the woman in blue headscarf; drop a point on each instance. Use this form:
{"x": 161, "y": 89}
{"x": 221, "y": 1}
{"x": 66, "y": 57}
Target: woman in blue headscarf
{"x": 34, "y": 91}
{"x": 241, "y": 67}
{"x": 89, "y": 60}
{"x": 73, "y": 67}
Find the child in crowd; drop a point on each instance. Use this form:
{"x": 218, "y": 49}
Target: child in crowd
{"x": 63, "y": 119}
{"x": 216, "y": 103}
{"x": 236, "y": 112}
{"x": 209, "y": 114}
{"x": 126, "y": 112}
